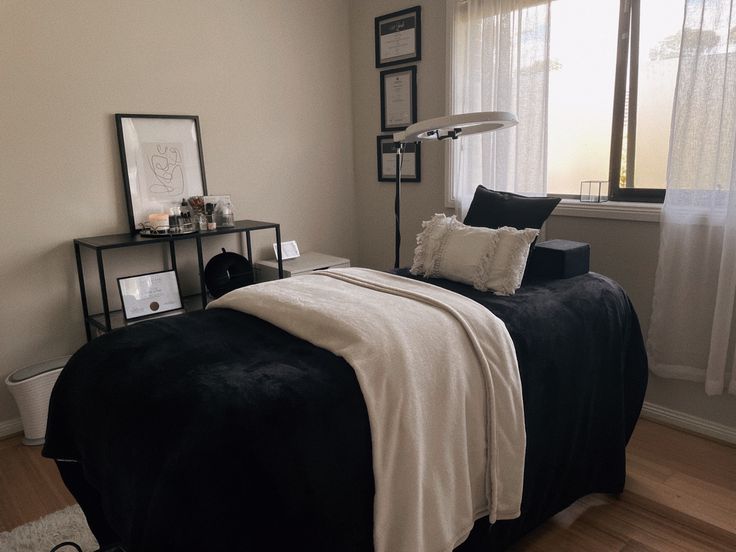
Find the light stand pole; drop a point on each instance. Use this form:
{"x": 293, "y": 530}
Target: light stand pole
{"x": 397, "y": 202}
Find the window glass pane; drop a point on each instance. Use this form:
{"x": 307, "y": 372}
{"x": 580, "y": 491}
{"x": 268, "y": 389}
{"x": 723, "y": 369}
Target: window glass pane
{"x": 659, "y": 51}
{"x": 581, "y": 83}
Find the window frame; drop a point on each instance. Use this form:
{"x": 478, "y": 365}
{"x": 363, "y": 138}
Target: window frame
{"x": 627, "y": 65}
{"x": 628, "y": 25}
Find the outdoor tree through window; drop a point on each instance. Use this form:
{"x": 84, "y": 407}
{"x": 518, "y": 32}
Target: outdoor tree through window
{"x": 613, "y": 69}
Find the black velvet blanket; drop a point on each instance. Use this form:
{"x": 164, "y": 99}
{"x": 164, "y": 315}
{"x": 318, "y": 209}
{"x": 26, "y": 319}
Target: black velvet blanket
{"x": 218, "y": 431}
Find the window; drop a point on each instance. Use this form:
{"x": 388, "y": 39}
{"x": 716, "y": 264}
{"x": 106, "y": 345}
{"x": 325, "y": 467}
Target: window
{"x": 613, "y": 67}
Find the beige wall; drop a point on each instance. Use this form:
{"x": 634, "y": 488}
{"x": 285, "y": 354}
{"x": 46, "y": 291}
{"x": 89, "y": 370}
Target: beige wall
{"x": 375, "y": 199}
{"x": 269, "y": 80}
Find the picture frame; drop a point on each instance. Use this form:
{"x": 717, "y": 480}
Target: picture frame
{"x": 162, "y": 162}
{"x": 150, "y": 294}
{"x": 289, "y": 250}
{"x": 386, "y": 157}
{"x": 398, "y": 37}
{"x": 398, "y": 98}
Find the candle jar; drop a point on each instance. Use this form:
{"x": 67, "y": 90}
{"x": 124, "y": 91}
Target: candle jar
{"x": 227, "y": 218}
{"x": 159, "y": 222}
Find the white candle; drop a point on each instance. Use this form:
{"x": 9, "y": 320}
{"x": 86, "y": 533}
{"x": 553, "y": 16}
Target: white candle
{"x": 159, "y": 221}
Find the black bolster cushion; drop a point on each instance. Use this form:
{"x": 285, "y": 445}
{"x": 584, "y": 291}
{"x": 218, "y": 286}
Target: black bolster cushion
{"x": 555, "y": 259}
{"x": 496, "y": 209}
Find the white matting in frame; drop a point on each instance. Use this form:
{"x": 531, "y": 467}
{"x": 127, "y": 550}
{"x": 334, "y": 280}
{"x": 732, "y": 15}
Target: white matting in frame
{"x": 149, "y": 294}
{"x": 162, "y": 162}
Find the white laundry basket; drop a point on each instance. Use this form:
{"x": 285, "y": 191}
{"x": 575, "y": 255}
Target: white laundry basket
{"x": 31, "y": 388}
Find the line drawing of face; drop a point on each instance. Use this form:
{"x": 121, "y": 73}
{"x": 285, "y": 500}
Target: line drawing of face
{"x": 166, "y": 164}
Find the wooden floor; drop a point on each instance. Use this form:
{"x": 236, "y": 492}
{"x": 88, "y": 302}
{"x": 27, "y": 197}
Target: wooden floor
{"x": 30, "y": 485}
{"x": 680, "y": 497}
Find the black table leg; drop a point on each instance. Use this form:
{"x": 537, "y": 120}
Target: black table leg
{"x": 200, "y": 262}
{"x": 103, "y": 290}
{"x": 279, "y": 257}
{"x": 82, "y": 291}
{"x": 172, "y": 254}
{"x": 249, "y": 246}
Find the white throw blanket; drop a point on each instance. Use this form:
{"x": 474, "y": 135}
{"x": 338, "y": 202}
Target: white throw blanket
{"x": 440, "y": 380}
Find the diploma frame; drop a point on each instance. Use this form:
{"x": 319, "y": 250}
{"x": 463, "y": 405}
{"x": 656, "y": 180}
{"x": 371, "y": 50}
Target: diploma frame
{"x": 162, "y": 294}
{"x": 388, "y": 100}
{"x": 391, "y": 45}
{"x": 409, "y": 172}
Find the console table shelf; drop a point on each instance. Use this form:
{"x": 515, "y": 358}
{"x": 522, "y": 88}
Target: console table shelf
{"x": 190, "y": 303}
{"x": 107, "y": 320}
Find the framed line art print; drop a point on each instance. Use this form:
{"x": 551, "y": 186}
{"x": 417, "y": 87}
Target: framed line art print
{"x": 149, "y": 294}
{"x": 398, "y": 37}
{"x": 398, "y": 98}
{"x": 162, "y": 162}
{"x": 386, "y": 157}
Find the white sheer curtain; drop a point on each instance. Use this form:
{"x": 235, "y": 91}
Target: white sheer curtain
{"x": 500, "y": 62}
{"x": 692, "y": 333}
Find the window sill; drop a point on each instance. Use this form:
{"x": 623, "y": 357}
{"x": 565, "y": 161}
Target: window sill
{"x": 613, "y": 210}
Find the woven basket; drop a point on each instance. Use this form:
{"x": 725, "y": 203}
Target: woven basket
{"x": 31, "y": 388}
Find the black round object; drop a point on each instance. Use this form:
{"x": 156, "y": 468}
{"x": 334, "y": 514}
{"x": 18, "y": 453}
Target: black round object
{"x": 227, "y": 271}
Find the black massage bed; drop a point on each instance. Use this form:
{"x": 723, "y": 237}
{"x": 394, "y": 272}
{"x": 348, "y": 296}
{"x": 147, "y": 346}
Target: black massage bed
{"x": 218, "y": 431}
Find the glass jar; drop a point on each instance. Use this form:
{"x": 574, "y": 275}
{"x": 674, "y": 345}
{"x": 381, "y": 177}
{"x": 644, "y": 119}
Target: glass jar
{"x": 227, "y": 218}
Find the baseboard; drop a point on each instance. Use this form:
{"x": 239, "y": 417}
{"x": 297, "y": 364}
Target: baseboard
{"x": 10, "y": 427}
{"x": 690, "y": 423}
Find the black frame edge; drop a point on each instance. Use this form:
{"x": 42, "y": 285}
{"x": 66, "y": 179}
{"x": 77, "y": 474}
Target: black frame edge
{"x": 124, "y": 160}
{"x": 382, "y": 76}
{"x": 379, "y": 161}
{"x": 418, "y": 39}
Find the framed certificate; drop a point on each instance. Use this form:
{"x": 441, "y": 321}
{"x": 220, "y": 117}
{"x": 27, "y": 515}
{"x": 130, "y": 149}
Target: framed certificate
{"x": 399, "y": 37}
{"x": 148, "y": 294}
{"x": 398, "y": 98}
{"x": 386, "y": 152}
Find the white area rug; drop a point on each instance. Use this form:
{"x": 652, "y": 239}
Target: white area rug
{"x": 43, "y": 534}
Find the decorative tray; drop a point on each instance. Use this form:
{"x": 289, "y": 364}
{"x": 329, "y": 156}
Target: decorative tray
{"x": 151, "y": 233}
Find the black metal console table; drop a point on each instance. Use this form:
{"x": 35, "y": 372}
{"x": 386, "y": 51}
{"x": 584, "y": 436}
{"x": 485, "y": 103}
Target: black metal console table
{"x": 106, "y": 321}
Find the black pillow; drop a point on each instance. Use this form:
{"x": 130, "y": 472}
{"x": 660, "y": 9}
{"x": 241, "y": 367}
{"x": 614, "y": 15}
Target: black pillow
{"x": 496, "y": 209}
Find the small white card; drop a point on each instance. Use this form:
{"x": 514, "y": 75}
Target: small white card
{"x": 289, "y": 250}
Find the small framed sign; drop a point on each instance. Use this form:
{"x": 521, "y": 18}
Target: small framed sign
{"x": 148, "y": 294}
{"x": 399, "y": 37}
{"x": 410, "y": 166}
{"x": 398, "y": 98}
{"x": 289, "y": 250}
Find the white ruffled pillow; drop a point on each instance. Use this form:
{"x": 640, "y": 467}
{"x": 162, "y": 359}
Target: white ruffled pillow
{"x": 486, "y": 258}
